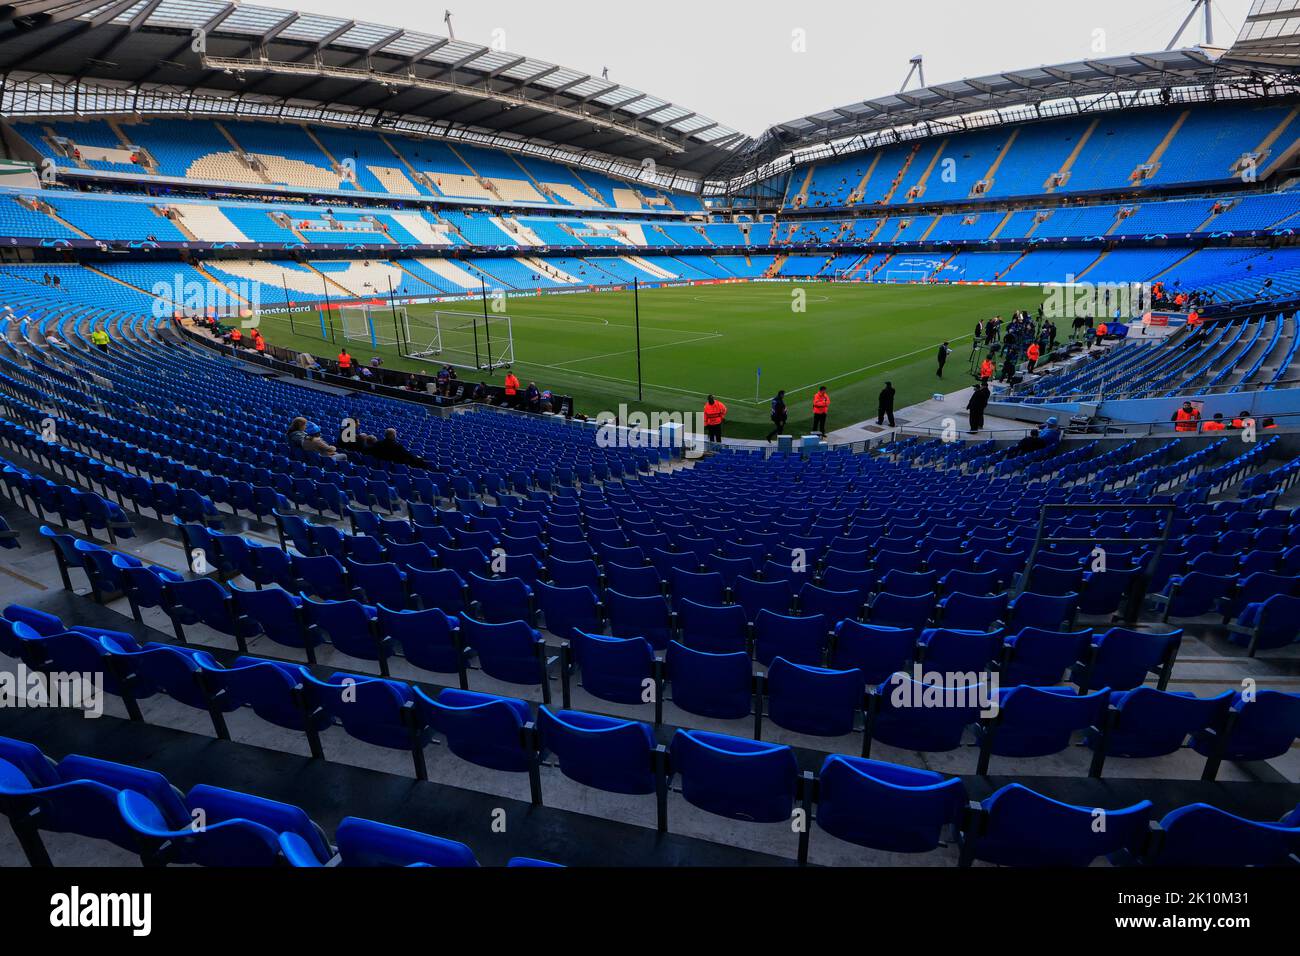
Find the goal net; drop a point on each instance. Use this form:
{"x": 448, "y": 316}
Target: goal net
{"x": 907, "y": 275}
{"x": 463, "y": 339}
{"x": 375, "y": 325}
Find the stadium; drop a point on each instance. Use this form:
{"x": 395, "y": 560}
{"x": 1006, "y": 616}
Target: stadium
{"x": 367, "y": 477}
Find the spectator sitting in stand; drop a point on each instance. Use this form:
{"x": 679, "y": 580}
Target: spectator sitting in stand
{"x": 306, "y": 435}
{"x": 363, "y": 443}
{"x": 1051, "y": 432}
{"x": 389, "y": 448}
{"x": 1029, "y": 444}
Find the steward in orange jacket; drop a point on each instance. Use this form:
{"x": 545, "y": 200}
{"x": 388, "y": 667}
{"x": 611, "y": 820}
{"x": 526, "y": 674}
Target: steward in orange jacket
{"x": 1033, "y": 352}
{"x": 821, "y": 405}
{"x": 715, "y": 413}
{"x": 1186, "y": 419}
{"x": 987, "y": 371}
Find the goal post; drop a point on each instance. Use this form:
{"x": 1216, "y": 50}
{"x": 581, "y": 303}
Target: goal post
{"x": 463, "y": 340}
{"x": 904, "y": 276}
{"x": 375, "y": 325}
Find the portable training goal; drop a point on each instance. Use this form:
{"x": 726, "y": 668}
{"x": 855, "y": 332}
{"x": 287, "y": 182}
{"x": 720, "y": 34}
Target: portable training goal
{"x": 375, "y": 325}
{"x": 901, "y": 276}
{"x": 462, "y": 339}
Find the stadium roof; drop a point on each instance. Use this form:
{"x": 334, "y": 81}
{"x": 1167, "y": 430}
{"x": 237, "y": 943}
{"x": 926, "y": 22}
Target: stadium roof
{"x": 1002, "y": 90}
{"x": 354, "y": 65}
{"x": 1013, "y": 96}
{"x": 1270, "y": 37}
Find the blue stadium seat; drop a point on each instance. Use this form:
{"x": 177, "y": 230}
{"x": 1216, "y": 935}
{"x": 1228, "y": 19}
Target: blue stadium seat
{"x": 606, "y": 753}
{"x": 733, "y": 777}
{"x": 1036, "y": 721}
{"x": 486, "y": 730}
{"x": 884, "y": 806}
{"x": 1018, "y": 827}
{"x": 370, "y": 844}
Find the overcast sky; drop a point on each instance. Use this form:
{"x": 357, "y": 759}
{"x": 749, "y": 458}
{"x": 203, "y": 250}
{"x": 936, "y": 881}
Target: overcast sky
{"x": 737, "y": 62}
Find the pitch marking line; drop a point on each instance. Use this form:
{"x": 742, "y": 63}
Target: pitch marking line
{"x": 866, "y": 368}
{"x": 738, "y": 301}
{"x": 701, "y": 337}
{"x": 577, "y": 318}
{"x": 729, "y": 398}
{"x": 649, "y": 386}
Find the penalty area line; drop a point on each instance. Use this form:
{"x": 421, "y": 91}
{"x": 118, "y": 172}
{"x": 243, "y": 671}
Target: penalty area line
{"x": 857, "y": 371}
{"x": 700, "y": 337}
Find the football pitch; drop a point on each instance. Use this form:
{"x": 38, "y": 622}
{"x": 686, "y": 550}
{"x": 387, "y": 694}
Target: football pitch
{"x": 695, "y": 340}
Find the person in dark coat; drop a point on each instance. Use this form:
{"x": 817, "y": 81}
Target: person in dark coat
{"x": 389, "y": 448}
{"x": 1029, "y": 444}
{"x": 886, "y": 406}
{"x": 779, "y": 415}
{"x": 978, "y": 402}
{"x": 944, "y": 352}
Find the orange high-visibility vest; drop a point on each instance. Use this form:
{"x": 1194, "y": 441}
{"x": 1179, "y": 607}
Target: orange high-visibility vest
{"x": 1214, "y": 426}
{"x": 512, "y": 384}
{"x": 1194, "y": 319}
{"x": 821, "y": 403}
{"x": 986, "y": 369}
{"x": 236, "y": 335}
{"x": 259, "y": 344}
{"x": 1102, "y": 330}
{"x": 1186, "y": 421}
{"x": 714, "y": 413}
{"x": 1033, "y": 352}
{"x": 345, "y": 360}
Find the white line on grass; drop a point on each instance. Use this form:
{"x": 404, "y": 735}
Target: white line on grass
{"x": 649, "y": 386}
{"x": 865, "y": 368}
{"x": 730, "y": 398}
{"x": 578, "y": 319}
{"x": 700, "y": 337}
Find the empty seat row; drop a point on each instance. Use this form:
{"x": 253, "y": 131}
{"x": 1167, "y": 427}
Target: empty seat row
{"x": 139, "y": 811}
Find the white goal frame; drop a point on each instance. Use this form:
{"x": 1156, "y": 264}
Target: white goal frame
{"x": 374, "y": 325}
{"x": 463, "y": 340}
{"x": 905, "y": 276}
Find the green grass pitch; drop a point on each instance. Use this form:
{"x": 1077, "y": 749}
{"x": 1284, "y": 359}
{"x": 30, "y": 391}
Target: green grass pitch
{"x": 701, "y": 339}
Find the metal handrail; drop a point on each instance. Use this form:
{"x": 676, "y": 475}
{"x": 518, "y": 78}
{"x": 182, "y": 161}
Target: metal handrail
{"x": 1102, "y": 395}
{"x": 1160, "y": 428}
{"x": 1133, "y": 606}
